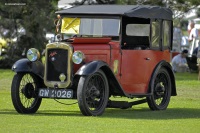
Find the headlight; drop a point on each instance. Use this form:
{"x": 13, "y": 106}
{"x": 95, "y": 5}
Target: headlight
{"x": 78, "y": 57}
{"x": 33, "y": 54}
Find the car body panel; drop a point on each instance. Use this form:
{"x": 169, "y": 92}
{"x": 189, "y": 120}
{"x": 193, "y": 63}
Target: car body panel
{"x": 137, "y": 69}
{"x": 93, "y": 51}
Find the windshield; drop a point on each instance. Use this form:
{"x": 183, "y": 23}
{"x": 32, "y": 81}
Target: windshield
{"x": 95, "y": 27}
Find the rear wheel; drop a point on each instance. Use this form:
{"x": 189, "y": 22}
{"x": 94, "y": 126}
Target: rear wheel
{"x": 24, "y": 93}
{"x": 93, "y": 93}
{"x": 160, "y": 98}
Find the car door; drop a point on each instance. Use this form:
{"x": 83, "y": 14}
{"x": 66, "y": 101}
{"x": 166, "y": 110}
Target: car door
{"x": 135, "y": 65}
{"x": 135, "y": 59}
{"x": 140, "y": 56}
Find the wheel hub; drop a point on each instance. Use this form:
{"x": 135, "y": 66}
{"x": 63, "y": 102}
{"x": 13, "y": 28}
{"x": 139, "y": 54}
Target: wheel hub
{"x": 94, "y": 92}
{"x": 93, "y": 97}
{"x": 28, "y": 90}
{"x": 159, "y": 89}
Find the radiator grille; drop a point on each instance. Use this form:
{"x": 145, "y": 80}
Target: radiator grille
{"x": 57, "y": 63}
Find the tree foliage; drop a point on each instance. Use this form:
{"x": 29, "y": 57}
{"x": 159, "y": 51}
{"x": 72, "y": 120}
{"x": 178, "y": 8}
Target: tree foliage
{"x": 90, "y": 2}
{"x": 27, "y": 21}
{"x": 179, "y": 7}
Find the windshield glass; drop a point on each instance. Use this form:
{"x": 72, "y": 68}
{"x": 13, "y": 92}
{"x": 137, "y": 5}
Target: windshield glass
{"x": 95, "y": 27}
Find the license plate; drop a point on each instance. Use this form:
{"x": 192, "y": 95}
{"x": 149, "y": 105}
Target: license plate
{"x": 55, "y": 93}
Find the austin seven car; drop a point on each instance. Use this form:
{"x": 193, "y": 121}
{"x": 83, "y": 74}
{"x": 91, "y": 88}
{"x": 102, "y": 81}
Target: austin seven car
{"x": 102, "y": 55}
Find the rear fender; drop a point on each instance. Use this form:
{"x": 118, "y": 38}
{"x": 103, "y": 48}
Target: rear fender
{"x": 168, "y": 67}
{"x": 24, "y": 65}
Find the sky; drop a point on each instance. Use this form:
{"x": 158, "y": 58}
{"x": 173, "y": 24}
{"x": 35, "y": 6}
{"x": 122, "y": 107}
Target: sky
{"x": 63, "y": 3}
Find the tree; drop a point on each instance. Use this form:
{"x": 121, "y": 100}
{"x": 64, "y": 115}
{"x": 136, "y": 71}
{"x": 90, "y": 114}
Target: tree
{"x": 91, "y": 2}
{"x": 179, "y": 7}
{"x": 35, "y": 18}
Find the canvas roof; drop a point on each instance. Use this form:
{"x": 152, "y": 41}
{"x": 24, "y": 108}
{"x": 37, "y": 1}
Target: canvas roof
{"x": 141, "y": 11}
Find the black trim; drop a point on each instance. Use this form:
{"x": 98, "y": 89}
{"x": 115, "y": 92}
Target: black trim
{"x": 171, "y": 39}
{"x": 138, "y": 95}
{"x": 168, "y": 67}
{"x": 160, "y": 34}
{"x": 169, "y": 34}
{"x": 90, "y": 68}
{"x": 141, "y": 11}
{"x": 94, "y": 66}
{"x": 89, "y": 16}
{"x": 24, "y": 65}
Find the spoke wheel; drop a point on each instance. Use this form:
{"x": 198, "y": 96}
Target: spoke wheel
{"x": 24, "y": 93}
{"x": 161, "y": 91}
{"x": 93, "y": 94}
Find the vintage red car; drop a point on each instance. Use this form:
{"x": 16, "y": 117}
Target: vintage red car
{"x": 102, "y": 51}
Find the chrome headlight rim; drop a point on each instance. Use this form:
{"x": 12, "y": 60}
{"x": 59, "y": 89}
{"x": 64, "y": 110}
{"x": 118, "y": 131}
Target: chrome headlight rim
{"x": 33, "y": 54}
{"x": 78, "y": 57}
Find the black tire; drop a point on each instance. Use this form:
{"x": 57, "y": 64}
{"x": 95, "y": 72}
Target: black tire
{"x": 161, "y": 91}
{"x": 93, "y": 93}
{"x": 24, "y": 93}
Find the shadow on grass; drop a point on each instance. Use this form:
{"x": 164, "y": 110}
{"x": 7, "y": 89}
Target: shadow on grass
{"x": 43, "y": 113}
{"x": 8, "y": 112}
{"x": 144, "y": 113}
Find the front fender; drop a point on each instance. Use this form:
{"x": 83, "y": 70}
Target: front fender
{"x": 24, "y": 65}
{"x": 94, "y": 66}
{"x": 90, "y": 68}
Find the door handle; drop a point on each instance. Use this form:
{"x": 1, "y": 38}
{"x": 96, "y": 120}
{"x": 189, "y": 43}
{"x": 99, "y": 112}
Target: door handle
{"x": 147, "y": 58}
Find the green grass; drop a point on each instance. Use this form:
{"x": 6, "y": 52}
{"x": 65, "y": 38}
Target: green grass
{"x": 182, "y": 115}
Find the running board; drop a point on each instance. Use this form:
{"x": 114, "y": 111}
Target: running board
{"x": 124, "y": 104}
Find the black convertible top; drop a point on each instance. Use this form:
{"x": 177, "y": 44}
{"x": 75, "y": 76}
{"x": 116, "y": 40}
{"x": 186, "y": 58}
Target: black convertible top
{"x": 141, "y": 11}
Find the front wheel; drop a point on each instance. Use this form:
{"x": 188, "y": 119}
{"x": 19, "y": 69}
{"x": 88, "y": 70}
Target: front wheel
{"x": 93, "y": 93}
{"x": 24, "y": 93}
{"x": 161, "y": 90}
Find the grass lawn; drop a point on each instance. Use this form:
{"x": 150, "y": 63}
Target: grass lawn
{"x": 182, "y": 115}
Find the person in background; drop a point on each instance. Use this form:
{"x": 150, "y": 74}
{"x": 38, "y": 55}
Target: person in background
{"x": 195, "y": 52}
{"x": 193, "y": 38}
{"x": 179, "y": 62}
{"x": 189, "y": 26}
{"x": 194, "y": 32}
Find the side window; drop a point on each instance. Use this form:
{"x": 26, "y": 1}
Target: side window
{"x": 137, "y": 29}
{"x": 155, "y": 34}
{"x": 137, "y": 36}
{"x": 166, "y": 33}
{"x": 135, "y": 33}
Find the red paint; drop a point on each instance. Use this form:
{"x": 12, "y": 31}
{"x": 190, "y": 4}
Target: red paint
{"x": 87, "y": 40}
{"x": 135, "y": 66}
{"x": 92, "y": 50}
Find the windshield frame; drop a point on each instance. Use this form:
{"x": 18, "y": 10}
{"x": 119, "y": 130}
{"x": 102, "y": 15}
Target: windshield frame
{"x": 92, "y": 17}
